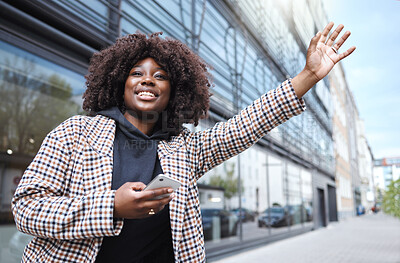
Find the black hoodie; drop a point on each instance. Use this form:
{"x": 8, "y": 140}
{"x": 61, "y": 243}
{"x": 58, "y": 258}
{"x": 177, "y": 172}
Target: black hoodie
{"x": 136, "y": 160}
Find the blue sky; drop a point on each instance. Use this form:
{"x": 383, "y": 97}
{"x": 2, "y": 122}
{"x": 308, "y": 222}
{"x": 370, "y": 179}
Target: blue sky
{"x": 373, "y": 70}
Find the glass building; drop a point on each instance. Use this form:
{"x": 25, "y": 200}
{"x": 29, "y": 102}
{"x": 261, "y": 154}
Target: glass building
{"x": 283, "y": 186}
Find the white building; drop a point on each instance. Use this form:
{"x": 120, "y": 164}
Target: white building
{"x": 365, "y": 167}
{"x": 385, "y": 171}
{"x": 341, "y": 136}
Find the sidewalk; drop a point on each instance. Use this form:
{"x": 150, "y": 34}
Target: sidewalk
{"x": 367, "y": 239}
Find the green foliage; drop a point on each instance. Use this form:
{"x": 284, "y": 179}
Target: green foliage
{"x": 391, "y": 199}
{"x": 229, "y": 182}
{"x": 32, "y": 103}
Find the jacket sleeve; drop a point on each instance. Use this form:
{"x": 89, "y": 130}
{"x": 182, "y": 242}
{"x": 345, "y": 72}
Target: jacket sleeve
{"x": 41, "y": 209}
{"x": 227, "y": 139}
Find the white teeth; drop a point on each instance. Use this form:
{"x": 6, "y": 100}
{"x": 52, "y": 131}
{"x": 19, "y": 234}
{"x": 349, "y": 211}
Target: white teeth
{"x": 146, "y": 93}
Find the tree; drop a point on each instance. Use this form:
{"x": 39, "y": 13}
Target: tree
{"x": 32, "y": 102}
{"x": 391, "y": 199}
{"x": 229, "y": 182}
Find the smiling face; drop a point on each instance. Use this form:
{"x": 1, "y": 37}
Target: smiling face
{"x": 147, "y": 89}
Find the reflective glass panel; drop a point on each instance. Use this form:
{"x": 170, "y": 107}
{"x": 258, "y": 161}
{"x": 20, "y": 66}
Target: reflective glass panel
{"x": 218, "y": 191}
{"x": 295, "y": 208}
{"x": 35, "y": 96}
{"x": 275, "y": 217}
{"x": 254, "y": 192}
{"x": 307, "y": 197}
{"x": 94, "y": 12}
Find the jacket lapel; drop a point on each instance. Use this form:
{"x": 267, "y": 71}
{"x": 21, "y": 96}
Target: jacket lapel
{"x": 100, "y": 135}
{"x": 172, "y": 156}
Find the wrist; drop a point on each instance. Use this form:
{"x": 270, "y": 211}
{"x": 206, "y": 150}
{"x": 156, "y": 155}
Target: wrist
{"x": 115, "y": 214}
{"x": 310, "y": 76}
{"x": 116, "y": 209}
{"x": 303, "y": 82}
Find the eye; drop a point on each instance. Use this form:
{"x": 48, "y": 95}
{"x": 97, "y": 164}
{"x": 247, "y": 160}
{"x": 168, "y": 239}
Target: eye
{"x": 136, "y": 73}
{"x": 161, "y": 76}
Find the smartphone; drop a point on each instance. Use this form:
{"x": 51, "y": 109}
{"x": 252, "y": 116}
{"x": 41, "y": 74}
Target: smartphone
{"x": 162, "y": 180}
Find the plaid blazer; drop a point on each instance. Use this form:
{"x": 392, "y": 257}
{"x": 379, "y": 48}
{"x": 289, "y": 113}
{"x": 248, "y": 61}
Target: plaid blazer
{"x": 65, "y": 199}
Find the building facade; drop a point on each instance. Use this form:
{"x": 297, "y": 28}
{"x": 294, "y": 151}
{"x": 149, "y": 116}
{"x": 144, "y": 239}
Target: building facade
{"x": 252, "y": 46}
{"x": 345, "y": 195}
{"x": 365, "y": 167}
{"x": 354, "y": 158}
{"x": 385, "y": 171}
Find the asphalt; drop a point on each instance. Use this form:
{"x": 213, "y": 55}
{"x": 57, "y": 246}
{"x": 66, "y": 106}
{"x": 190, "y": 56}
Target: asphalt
{"x": 372, "y": 238}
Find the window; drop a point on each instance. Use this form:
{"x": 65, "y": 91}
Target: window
{"x": 35, "y": 96}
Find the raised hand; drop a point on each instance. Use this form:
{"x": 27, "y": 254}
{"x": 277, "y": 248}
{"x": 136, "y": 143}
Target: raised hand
{"x": 322, "y": 55}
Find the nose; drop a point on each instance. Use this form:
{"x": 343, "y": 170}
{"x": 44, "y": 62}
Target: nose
{"x": 147, "y": 81}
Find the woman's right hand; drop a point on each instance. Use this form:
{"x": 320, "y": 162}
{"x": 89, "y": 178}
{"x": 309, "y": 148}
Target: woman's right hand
{"x": 132, "y": 202}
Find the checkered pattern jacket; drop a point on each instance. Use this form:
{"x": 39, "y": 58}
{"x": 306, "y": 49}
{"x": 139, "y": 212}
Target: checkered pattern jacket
{"x": 65, "y": 199}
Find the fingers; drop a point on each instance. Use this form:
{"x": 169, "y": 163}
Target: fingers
{"x": 314, "y": 42}
{"x": 159, "y": 203}
{"x": 334, "y": 35}
{"x": 130, "y": 202}
{"x": 348, "y": 52}
{"x": 155, "y": 206}
{"x": 148, "y": 207}
{"x": 342, "y": 40}
{"x": 151, "y": 194}
{"x": 136, "y": 186}
{"x": 325, "y": 32}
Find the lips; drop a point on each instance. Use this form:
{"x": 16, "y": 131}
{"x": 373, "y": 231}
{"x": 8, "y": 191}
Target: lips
{"x": 146, "y": 93}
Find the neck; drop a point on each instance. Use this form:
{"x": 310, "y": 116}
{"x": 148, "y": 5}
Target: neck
{"x": 144, "y": 126}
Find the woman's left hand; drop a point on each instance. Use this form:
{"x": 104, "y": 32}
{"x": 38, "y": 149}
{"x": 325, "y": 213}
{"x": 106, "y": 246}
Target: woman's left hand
{"x": 322, "y": 54}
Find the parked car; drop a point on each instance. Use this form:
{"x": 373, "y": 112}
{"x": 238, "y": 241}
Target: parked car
{"x": 228, "y": 222}
{"x": 275, "y": 217}
{"x": 244, "y": 214}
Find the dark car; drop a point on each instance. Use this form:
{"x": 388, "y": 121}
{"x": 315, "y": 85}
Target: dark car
{"x": 244, "y": 214}
{"x": 226, "y": 221}
{"x": 275, "y": 217}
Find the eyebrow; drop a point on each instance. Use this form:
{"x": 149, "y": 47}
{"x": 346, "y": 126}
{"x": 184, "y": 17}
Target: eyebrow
{"x": 139, "y": 66}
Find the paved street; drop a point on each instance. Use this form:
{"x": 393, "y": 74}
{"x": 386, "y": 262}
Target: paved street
{"x": 368, "y": 239}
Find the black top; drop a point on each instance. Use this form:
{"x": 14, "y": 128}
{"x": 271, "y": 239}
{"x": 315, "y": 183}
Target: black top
{"x": 136, "y": 160}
